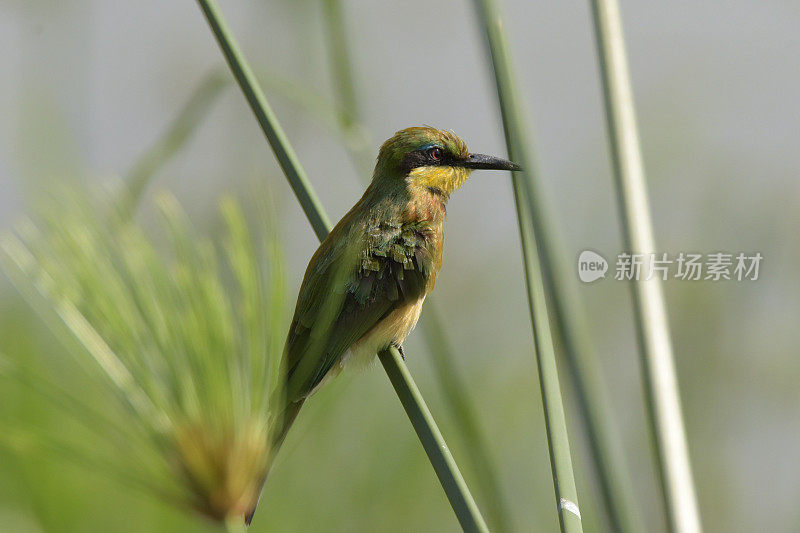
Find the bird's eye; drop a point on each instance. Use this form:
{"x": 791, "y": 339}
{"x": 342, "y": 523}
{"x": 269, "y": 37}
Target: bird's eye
{"x": 435, "y": 153}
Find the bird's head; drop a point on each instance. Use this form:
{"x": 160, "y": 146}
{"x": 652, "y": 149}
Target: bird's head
{"x": 433, "y": 159}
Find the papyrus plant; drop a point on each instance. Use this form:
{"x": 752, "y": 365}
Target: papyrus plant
{"x": 177, "y": 339}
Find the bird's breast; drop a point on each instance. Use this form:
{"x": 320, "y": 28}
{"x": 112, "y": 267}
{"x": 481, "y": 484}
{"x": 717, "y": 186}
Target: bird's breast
{"x": 391, "y": 330}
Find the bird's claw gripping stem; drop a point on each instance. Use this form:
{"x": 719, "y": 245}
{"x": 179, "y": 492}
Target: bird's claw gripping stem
{"x": 400, "y": 349}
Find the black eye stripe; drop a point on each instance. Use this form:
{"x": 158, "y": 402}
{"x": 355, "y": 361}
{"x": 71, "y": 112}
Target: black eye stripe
{"x": 421, "y": 158}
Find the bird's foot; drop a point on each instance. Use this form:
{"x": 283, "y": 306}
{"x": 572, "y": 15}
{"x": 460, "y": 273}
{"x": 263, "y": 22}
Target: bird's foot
{"x": 400, "y": 349}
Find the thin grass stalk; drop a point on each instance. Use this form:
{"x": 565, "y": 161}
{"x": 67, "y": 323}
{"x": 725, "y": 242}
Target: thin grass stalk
{"x": 180, "y": 130}
{"x": 455, "y": 487}
{"x": 267, "y": 120}
{"x": 608, "y": 463}
{"x": 458, "y": 401}
{"x": 341, "y": 66}
{"x": 171, "y": 141}
{"x": 116, "y": 376}
{"x": 356, "y": 136}
{"x": 516, "y": 141}
{"x": 235, "y": 525}
{"x": 456, "y": 490}
{"x": 442, "y": 354}
{"x": 595, "y": 415}
{"x": 655, "y": 348}
{"x": 569, "y": 516}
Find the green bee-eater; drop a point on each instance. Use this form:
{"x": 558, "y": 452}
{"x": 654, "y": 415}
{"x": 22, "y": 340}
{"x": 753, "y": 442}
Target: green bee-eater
{"x": 364, "y": 287}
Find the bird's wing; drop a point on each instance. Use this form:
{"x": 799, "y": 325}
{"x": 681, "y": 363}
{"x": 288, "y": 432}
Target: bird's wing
{"x": 348, "y": 288}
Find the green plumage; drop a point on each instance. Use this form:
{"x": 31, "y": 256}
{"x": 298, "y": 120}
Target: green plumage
{"x": 369, "y": 265}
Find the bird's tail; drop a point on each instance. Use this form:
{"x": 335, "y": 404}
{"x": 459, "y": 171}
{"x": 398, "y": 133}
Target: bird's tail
{"x": 279, "y": 435}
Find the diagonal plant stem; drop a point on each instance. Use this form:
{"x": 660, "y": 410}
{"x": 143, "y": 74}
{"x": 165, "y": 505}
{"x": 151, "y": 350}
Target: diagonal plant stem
{"x": 517, "y": 143}
{"x": 442, "y": 354}
{"x": 267, "y": 120}
{"x": 457, "y": 492}
{"x": 456, "y": 395}
{"x": 235, "y": 525}
{"x": 356, "y": 136}
{"x": 569, "y": 516}
{"x": 171, "y": 141}
{"x": 431, "y": 438}
{"x": 342, "y": 67}
{"x": 191, "y": 115}
{"x": 595, "y": 415}
{"x": 655, "y": 347}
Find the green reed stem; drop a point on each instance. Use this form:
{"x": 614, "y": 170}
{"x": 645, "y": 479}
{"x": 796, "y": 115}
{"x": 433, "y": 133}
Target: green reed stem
{"x": 442, "y": 353}
{"x": 234, "y": 524}
{"x": 456, "y": 490}
{"x": 455, "y": 392}
{"x": 595, "y": 413}
{"x": 284, "y": 153}
{"x": 516, "y": 140}
{"x": 356, "y": 137}
{"x": 566, "y": 493}
{"x": 171, "y": 141}
{"x": 431, "y": 438}
{"x": 655, "y": 348}
{"x": 186, "y": 122}
{"x": 342, "y": 67}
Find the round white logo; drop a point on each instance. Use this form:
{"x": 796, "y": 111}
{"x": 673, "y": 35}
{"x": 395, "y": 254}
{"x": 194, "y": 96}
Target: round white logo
{"x": 591, "y": 266}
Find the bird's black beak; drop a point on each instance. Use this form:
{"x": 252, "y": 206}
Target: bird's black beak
{"x": 488, "y": 162}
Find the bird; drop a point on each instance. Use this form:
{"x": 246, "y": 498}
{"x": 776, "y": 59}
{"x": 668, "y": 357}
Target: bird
{"x": 365, "y": 285}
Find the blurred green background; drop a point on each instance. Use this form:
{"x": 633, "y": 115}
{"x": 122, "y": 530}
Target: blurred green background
{"x": 87, "y": 86}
